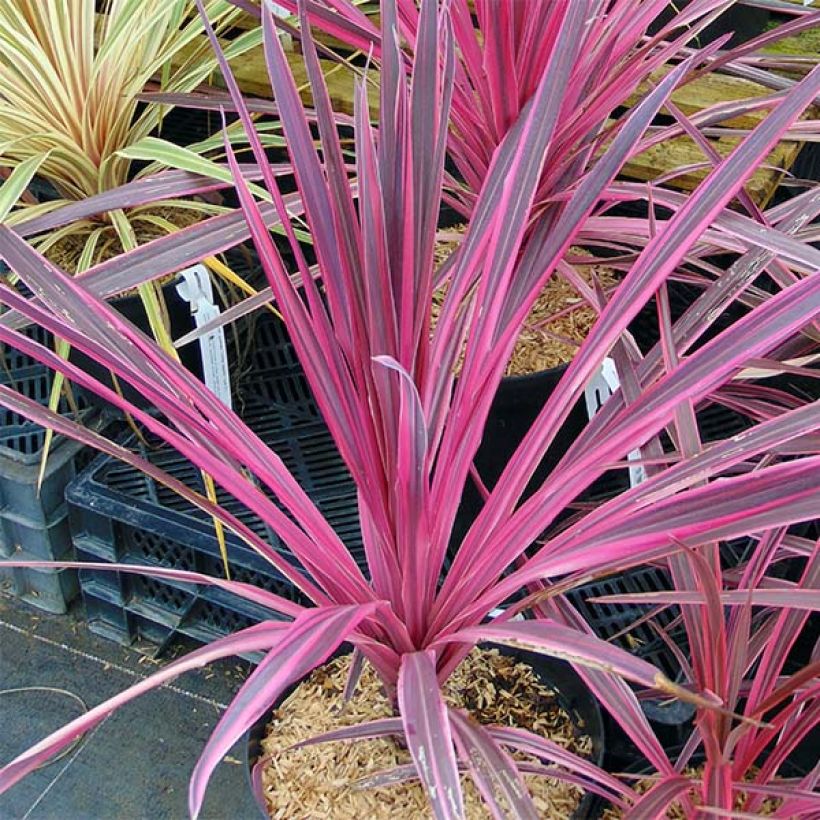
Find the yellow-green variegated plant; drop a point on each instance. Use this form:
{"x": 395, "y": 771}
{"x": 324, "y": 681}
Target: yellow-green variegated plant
{"x": 71, "y": 75}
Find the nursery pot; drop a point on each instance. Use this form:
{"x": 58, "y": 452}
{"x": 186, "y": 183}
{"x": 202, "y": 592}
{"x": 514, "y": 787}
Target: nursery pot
{"x": 516, "y": 405}
{"x": 745, "y": 23}
{"x": 130, "y": 306}
{"x": 519, "y": 400}
{"x": 573, "y": 696}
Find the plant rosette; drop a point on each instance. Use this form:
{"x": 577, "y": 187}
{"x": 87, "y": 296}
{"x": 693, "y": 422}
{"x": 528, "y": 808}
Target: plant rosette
{"x": 72, "y": 76}
{"x": 291, "y": 774}
{"x": 408, "y": 431}
{"x": 644, "y": 777}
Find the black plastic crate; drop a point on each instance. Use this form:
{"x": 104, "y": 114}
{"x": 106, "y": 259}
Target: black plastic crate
{"x": 272, "y": 374}
{"x": 626, "y": 626}
{"x": 609, "y": 620}
{"x": 34, "y": 524}
{"x": 120, "y": 515}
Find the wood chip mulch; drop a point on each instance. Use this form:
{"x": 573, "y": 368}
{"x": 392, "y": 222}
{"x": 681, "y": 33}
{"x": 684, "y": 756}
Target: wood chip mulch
{"x": 677, "y": 812}
{"x": 560, "y": 319}
{"x": 321, "y": 781}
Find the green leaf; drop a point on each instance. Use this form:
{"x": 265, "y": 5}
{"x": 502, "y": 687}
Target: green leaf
{"x": 153, "y": 149}
{"x": 18, "y": 181}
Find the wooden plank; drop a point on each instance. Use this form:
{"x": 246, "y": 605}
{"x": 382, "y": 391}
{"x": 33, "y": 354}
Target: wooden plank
{"x": 682, "y": 151}
{"x": 805, "y": 44}
{"x": 706, "y": 91}
{"x": 252, "y": 76}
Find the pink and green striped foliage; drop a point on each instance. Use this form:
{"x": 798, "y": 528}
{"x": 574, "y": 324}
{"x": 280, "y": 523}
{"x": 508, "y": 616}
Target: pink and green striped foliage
{"x": 742, "y": 625}
{"x": 408, "y": 429}
{"x": 503, "y": 51}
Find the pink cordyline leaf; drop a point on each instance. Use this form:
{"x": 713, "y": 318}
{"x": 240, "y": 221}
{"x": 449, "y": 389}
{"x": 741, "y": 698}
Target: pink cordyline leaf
{"x": 247, "y": 591}
{"x": 800, "y": 713}
{"x": 775, "y": 496}
{"x": 792, "y": 685}
{"x": 540, "y": 747}
{"x": 242, "y": 308}
{"x": 163, "y": 185}
{"x": 217, "y": 99}
{"x": 492, "y": 769}
{"x": 168, "y": 254}
{"x": 418, "y": 589}
{"x": 653, "y": 804}
{"x": 428, "y": 734}
{"x": 258, "y": 785}
{"x": 306, "y": 643}
{"x": 551, "y": 638}
{"x": 751, "y": 233}
{"x": 259, "y": 637}
{"x": 384, "y": 727}
{"x": 187, "y": 247}
{"x": 611, "y": 691}
{"x": 408, "y": 774}
{"x": 789, "y": 598}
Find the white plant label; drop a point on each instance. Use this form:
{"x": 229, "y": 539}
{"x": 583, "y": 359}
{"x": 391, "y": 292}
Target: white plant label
{"x": 500, "y": 611}
{"x": 601, "y": 386}
{"x": 195, "y": 288}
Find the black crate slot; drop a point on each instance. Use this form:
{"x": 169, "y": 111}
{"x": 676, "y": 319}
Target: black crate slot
{"x": 34, "y": 523}
{"x": 120, "y": 515}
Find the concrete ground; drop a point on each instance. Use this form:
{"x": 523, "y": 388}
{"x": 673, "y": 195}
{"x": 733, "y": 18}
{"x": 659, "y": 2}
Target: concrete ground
{"x": 134, "y": 765}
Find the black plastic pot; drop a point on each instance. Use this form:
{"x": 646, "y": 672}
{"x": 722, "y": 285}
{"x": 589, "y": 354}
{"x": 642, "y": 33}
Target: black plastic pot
{"x": 744, "y": 22}
{"x": 515, "y": 407}
{"x": 520, "y": 399}
{"x": 573, "y": 696}
{"x": 132, "y": 308}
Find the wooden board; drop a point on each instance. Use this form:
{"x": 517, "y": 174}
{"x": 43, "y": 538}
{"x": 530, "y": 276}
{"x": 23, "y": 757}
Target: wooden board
{"x": 251, "y": 74}
{"x": 681, "y": 152}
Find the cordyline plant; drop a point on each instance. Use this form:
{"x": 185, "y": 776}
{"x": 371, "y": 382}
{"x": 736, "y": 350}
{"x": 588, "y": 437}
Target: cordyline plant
{"x": 742, "y": 625}
{"x": 70, "y": 82}
{"x": 71, "y": 76}
{"x": 502, "y": 51}
{"x": 408, "y": 429}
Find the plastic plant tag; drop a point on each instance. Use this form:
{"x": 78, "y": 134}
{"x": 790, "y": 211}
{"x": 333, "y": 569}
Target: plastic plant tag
{"x": 601, "y": 386}
{"x": 501, "y": 610}
{"x": 196, "y": 289}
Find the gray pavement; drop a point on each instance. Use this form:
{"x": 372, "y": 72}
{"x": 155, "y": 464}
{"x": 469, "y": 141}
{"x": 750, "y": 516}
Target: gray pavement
{"x": 136, "y": 764}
